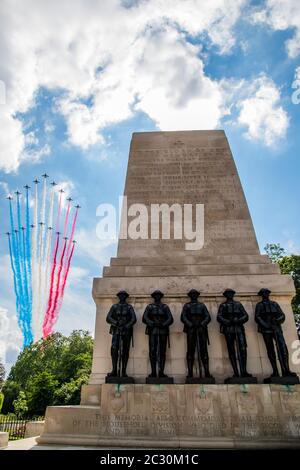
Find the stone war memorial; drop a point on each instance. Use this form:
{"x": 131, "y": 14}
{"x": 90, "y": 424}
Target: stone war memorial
{"x": 193, "y": 337}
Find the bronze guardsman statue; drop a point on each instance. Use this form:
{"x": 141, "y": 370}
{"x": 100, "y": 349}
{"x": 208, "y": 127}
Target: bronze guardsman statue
{"x": 195, "y": 318}
{"x": 269, "y": 317}
{"x": 158, "y": 318}
{"x": 232, "y": 316}
{"x": 121, "y": 317}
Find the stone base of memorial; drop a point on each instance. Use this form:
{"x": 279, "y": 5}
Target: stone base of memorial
{"x": 179, "y": 416}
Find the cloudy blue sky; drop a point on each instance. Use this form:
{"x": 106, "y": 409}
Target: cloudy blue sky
{"x": 77, "y": 77}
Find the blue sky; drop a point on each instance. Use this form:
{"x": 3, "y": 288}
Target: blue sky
{"x": 81, "y": 76}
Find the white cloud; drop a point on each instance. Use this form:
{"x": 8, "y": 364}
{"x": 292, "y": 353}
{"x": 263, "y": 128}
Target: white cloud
{"x": 10, "y": 338}
{"x": 261, "y": 112}
{"x": 37, "y": 154}
{"x": 4, "y": 327}
{"x": 101, "y": 55}
{"x": 31, "y": 138}
{"x": 10, "y": 334}
{"x": 2, "y": 93}
{"x": 282, "y": 15}
{"x": 83, "y": 125}
{"x": 5, "y": 188}
{"x": 12, "y": 141}
{"x": 49, "y": 127}
{"x": 171, "y": 85}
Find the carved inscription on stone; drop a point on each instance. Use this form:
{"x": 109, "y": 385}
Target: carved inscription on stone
{"x": 191, "y": 174}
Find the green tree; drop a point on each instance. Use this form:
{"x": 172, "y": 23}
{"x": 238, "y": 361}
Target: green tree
{"x": 76, "y": 359}
{"x": 50, "y": 372}
{"x": 274, "y": 251}
{"x": 289, "y": 264}
{"x": 10, "y": 390}
{"x": 38, "y": 357}
{"x": 1, "y": 401}
{"x": 69, "y": 392}
{"x": 20, "y": 405}
{"x": 41, "y": 392}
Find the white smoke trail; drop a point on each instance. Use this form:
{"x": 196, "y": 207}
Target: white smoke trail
{"x": 48, "y": 250}
{"x": 39, "y": 279}
{"x": 43, "y": 207}
{"x": 34, "y": 235}
{"x": 40, "y": 260}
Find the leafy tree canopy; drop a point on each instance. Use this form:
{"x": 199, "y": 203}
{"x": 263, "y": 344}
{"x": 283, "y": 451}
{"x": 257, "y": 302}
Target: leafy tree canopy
{"x": 20, "y": 405}
{"x": 1, "y": 400}
{"x": 274, "y": 251}
{"x": 49, "y": 372}
{"x": 289, "y": 264}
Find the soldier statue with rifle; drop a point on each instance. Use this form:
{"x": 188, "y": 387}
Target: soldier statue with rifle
{"x": 158, "y": 318}
{"x": 195, "y": 318}
{"x": 232, "y": 316}
{"x": 121, "y": 317}
{"x": 269, "y": 318}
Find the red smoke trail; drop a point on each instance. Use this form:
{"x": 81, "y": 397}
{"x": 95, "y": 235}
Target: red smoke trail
{"x": 51, "y": 290}
{"x": 72, "y": 231}
{"x": 61, "y": 266}
{"x": 66, "y": 220}
{"x": 46, "y": 319}
{"x": 66, "y": 272}
{"x": 57, "y": 290}
{"x": 66, "y": 268}
{"x": 58, "y": 212}
{"x": 54, "y": 304}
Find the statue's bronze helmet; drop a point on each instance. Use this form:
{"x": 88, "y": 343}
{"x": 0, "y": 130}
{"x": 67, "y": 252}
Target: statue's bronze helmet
{"x": 122, "y": 293}
{"x": 229, "y": 291}
{"x": 157, "y": 292}
{"x": 193, "y": 292}
{"x": 264, "y": 290}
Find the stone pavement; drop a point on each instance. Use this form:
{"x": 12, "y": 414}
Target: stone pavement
{"x": 30, "y": 444}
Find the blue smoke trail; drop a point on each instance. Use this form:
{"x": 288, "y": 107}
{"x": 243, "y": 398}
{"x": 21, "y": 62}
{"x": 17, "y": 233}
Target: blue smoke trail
{"x": 28, "y": 254}
{"x": 26, "y": 288}
{"x": 23, "y": 275}
{"x": 19, "y": 265}
{"x": 21, "y": 255}
{"x": 12, "y": 262}
{"x": 16, "y": 251}
{"x": 16, "y": 273}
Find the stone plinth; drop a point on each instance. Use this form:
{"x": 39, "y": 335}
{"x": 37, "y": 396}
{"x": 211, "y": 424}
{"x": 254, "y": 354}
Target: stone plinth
{"x": 180, "y": 416}
{"x": 3, "y": 440}
{"x": 34, "y": 428}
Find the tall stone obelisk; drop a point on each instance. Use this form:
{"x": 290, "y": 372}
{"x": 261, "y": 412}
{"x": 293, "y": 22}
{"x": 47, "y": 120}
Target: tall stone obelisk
{"x": 189, "y": 167}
